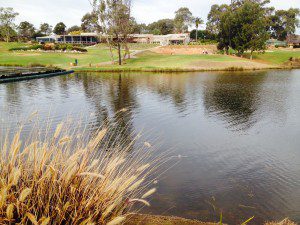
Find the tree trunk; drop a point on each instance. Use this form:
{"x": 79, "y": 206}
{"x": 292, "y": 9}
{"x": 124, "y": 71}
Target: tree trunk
{"x": 110, "y": 50}
{"x": 119, "y": 53}
{"x": 196, "y": 34}
{"x": 251, "y": 56}
{"x": 227, "y": 50}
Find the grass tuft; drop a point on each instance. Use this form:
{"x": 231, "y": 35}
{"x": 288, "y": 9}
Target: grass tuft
{"x": 64, "y": 178}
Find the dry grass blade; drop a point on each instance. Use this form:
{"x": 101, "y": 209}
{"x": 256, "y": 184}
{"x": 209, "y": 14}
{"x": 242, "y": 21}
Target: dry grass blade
{"x": 148, "y": 193}
{"x": 117, "y": 220}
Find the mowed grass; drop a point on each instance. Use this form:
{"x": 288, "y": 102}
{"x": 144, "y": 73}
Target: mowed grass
{"x": 94, "y": 55}
{"x": 151, "y": 60}
{"x": 278, "y": 57}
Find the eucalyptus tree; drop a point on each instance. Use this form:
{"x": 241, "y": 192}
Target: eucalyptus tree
{"x": 7, "y": 19}
{"x": 284, "y": 23}
{"x": 183, "y": 19}
{"x": 45, "y": 29}
{"x": 26, "y": 31}
{"x": 60, "y": 28}
{"x": 89, "y": 23}
{"x": 114, "y": 17}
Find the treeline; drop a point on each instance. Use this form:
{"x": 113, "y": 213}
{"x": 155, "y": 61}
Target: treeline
{"x": 26, "y": 31}
{"x": 246, "y": 25}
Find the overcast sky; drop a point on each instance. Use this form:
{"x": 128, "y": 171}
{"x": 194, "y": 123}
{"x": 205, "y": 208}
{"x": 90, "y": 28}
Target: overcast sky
{"x": 146, "y": 11}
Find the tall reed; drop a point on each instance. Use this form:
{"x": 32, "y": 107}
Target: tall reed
{"x": 63, "y": 178}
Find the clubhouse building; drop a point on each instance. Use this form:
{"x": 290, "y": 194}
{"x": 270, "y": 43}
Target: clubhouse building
{"x": 94, "y": 38}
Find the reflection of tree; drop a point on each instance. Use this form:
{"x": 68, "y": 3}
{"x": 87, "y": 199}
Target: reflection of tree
{"x": 115, "y": 94}
{"x": 170, "y": 86}
{"x": 13, "y": 94}
{"x": 234, "y": 98}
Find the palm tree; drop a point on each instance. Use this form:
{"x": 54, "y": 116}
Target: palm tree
{"x": 198, "y": 22}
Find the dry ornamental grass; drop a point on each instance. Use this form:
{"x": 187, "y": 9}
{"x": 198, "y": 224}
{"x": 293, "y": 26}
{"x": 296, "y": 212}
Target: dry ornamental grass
{"x": 63, "y": 179}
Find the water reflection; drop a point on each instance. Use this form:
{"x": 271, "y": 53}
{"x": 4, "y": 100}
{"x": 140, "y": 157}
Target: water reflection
{"x": 238, "y": 131}
{"x": 234, "y": 100}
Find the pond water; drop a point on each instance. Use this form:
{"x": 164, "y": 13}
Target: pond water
{"x": 238, "y": 134}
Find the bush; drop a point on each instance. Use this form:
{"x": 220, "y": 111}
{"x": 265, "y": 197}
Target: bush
{"x": 47, "y": 47}
{"x": 27, "y": 48}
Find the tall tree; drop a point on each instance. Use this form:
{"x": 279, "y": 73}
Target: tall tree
{"x": 60, "y": 28}
{"x": 198, "y": 22}
{"x": 45, "y": 29}
{"x": 243, "y": 28}
{"x": 214, "y": 17}
{"x": 183, "y": 19}
{"x": 89, "y": 23}
{"x": 7, "y": 19}
{"x": 114, "y": 16}
{"x": 26, "y": 31}
{"x": 284, "y": 23}
{"x": 250, "y": 27}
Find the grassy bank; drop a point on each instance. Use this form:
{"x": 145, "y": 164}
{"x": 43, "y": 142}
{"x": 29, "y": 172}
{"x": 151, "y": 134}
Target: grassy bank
{"x": 277, "y": 57}
{"x": 97, "y": 59}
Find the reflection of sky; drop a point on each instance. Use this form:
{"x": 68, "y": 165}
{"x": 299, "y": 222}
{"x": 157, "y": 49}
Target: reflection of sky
{"x": 238, "y": 133}
{"x": 55, "y": 11}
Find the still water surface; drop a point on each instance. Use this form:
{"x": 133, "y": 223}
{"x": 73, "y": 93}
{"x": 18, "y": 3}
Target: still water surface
{"x": 238, "y": 133}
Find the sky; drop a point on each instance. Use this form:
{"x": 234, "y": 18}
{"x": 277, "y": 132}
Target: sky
{"x": 145, "y": 11}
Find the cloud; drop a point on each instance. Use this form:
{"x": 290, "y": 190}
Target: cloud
{"x": 145, "y": 11}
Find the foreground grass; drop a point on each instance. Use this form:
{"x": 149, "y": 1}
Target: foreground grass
{"x": 63, "y": 178}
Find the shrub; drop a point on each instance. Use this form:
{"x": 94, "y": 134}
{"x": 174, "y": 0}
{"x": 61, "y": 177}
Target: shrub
{"x": 65, "y": 178}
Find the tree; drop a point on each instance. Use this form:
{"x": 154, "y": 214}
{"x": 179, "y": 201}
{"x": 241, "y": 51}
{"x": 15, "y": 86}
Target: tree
{"x": 45, "y": 29}
{"x": 74, "y": 30}
{"x": 214, "y": 17}
{"x": 198, "y": 22}
{"x": 183, "y": 19}
{"x": 284, "y": 23}
{"x": 60, "y": 28}
{"x": 7, "y": 18}
{"x": 26, "y": 31}
{"x": 243, "y": 28}
{"x": 250, "y": 27}
{"x": 114, "y": 16}
{"x": 162, "y": 27}
{"x": 89, "y": 23}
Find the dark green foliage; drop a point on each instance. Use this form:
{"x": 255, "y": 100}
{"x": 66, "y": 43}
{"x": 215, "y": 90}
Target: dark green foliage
{"x": 63, "y": 47}
{"x": 89, "y": 23}
{"x": 283, "y": 23}
{"x": 203, "y": 35}
{"x": 74, "y": 29}
{"x": 27, "y": 48}
{"x": 241, "y": 26}
{"x": 161, "y": 27}
{"x": 60, "y": 28}
{"x": 45, "y": 29}
{"x": 26, "y": 31}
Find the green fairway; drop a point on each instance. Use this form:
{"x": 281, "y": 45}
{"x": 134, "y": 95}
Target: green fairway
{"x": 278, "y": 57}
{"x": 94, "y": 55}
{"x": 153, "y": 60}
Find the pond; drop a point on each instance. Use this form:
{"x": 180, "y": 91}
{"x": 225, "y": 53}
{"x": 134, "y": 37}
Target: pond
{"x": 238, "y": 133}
